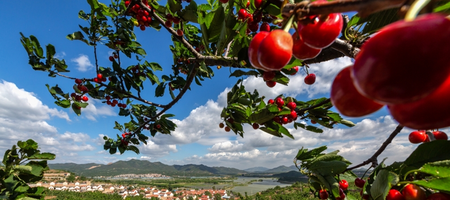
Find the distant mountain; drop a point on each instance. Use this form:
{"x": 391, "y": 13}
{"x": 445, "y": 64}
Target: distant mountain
{"x": 256, "y": 169}
{"x": 281, "y": 169}
{"x": 144, "y": 167}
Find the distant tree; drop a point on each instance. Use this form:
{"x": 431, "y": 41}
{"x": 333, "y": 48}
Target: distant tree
{"x": 70, "y": 178}
{"x": 217, "y": 196}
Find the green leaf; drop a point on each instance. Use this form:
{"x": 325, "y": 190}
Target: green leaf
{"x": 313, "y": 129}
{"x": 325, "y": 168}
{"x": 427, "y": 152}
{"x": 382, "y": 184}
{"x": 50, "y": 51}
{"x": 45, "y": 156}
{"x": 443, "y": 7}
{"x": 441, "y": 184}
{"x": 133, "y": 148}
{"x": 304, "y": 154}
{"x": 77, "y": 36}
{"x": 438, "y": 169}
{"x": 174, "y": 6}
{"x": 189, "y": 13}
{"x": 37, "y": 47}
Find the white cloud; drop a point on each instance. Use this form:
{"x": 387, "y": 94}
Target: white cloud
{"x": 60, "y": 55}
{"x": 83, "y": 63}
{"x": 92, "y": 111}
{"x": 23, "y": 117}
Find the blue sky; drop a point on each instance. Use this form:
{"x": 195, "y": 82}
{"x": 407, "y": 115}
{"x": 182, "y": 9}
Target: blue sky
{"x": 27, "y": 110}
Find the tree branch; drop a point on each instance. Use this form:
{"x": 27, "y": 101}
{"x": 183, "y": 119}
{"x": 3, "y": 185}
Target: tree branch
{"x": 374, "y": 157}
{"x": 363, "y": 7}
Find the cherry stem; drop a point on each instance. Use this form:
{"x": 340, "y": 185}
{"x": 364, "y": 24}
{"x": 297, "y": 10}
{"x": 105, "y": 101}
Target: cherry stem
{"x": 416, "y": 7}
{"x": 430, "y": 136}
{"x": 288, "y": 25}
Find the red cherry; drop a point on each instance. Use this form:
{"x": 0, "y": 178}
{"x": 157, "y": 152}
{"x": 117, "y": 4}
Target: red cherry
{"x": 278, "y": 44}
{"x": 176, "y": 20}
{"x": 343, "y": 184}
{"x": 430, "y": 112}
{"x": 310, "y": 79}
{"x": 248, "y": 4}
{"x": 264, "y": 27}
{"x": 302, "y": 51}
{"x": 127, "y": 3}
{"x": 280, "y": 102}
{"x": 169, "y": 17}
{"x": 284, "y": 120}
{"x": 168, "y": 24}
{"x": 291, "y": 105}
{"x": 224, "y": 1}
{"x": 439, "y": 196}
{"x": 341, "y": 195}
{"x": 313, "y": 122}
{"x": 99, "y": 76}
{"x": 394, "y": 195}
{"x": 379, "y": 73}
{"x": 439, "y": 135}
{"x": 115, "y": 101}
{"x": 111, "y": 58}
{"x": 77, "y": 98}
{"x": 360, "y": 182}
{"x": 253, "y": 26}
{"x": 227, "y": 129}
{"x": 85, "y": 98}
{"x": 180, "y": 32}
{"x": 78, "y": 81}
{"x": 96, "y": 80}
{"x": 158, "y": 126}
{"x": 253, "y": 49}
{"x": 293, "y": 115}
{"x": 347, "y": 100}
{"x": 258, "y": 3}
{"x": 255, "y": 126}
{"x": 268, "y": 76}
{"x": 221, "y": 125}
{"x": 413, "y": 192}
{"x": 242, "y": 14}
{"x": 271, "y": 84}
{"x": 322, "y": 31}
{"x": 142, "y": 27}
{"x": 323, "y": 194}
{"x": 271, "y": 101}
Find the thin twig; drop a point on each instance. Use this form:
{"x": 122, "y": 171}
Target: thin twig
{"x": 374, "y": 158}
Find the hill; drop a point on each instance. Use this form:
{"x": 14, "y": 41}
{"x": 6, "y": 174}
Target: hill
{"x": 256, "y": 169}
{"x": 144, "y": 167}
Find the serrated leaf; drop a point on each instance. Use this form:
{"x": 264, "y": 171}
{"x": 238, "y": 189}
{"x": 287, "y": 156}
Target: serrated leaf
{"x": 437, "y": 169}
{"x": 328, "y": 167}
{"x": 77, "y": 36}
{"x": 305, "y": 154}
{"x": 133, "y": 148}
{"x": 45, "y": 156}
{"x": 441, "y": 184}
{"x": 428, "y": 152}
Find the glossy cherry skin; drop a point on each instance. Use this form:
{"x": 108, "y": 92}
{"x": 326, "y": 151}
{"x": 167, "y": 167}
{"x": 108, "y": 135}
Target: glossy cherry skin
{"x": 360, "y": 182}
{"x": 323, "y": 194}
{"x": 322, "y": 31}
{"x": 310, "y": 79}
{"x": 417, "y": 137}
{"x": 430, "y": 112}
{"x": 347, "y": 100}
{"x": 253, "y": 49}
{"x": 302, "y": 51}
{"x": 439, "y": 135}
{"x": 394, "y": 195}
{"x": 275, "y": 51}
{"x": 343, "y": 184}
{"x": 390, "y": 66}
{"x": 413, "y": 192}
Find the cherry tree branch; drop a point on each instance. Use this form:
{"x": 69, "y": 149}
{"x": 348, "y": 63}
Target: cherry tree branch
{"x": 363, "y": 7}
{"x": 374, "y": 158}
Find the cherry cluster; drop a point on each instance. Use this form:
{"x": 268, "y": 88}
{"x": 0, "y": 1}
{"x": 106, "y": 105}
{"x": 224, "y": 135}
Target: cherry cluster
{"x": 306, "y": 43}
{"x": 420, "y": 136}
{"x": 175, "y": 20}
{"x": 113, "y": 57}
{"x": 143, "y": 17}
{"x": 269, "y": 76}
{"x": 83, "y": 90}
{"x": 343, "y": 186}
{"x": 284, "y": 119}
{"x": 253, "y": 20}
{"x": 411, "y": 191}
{"x": 227, "y": 128}
{"x": 114, "y": 102}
